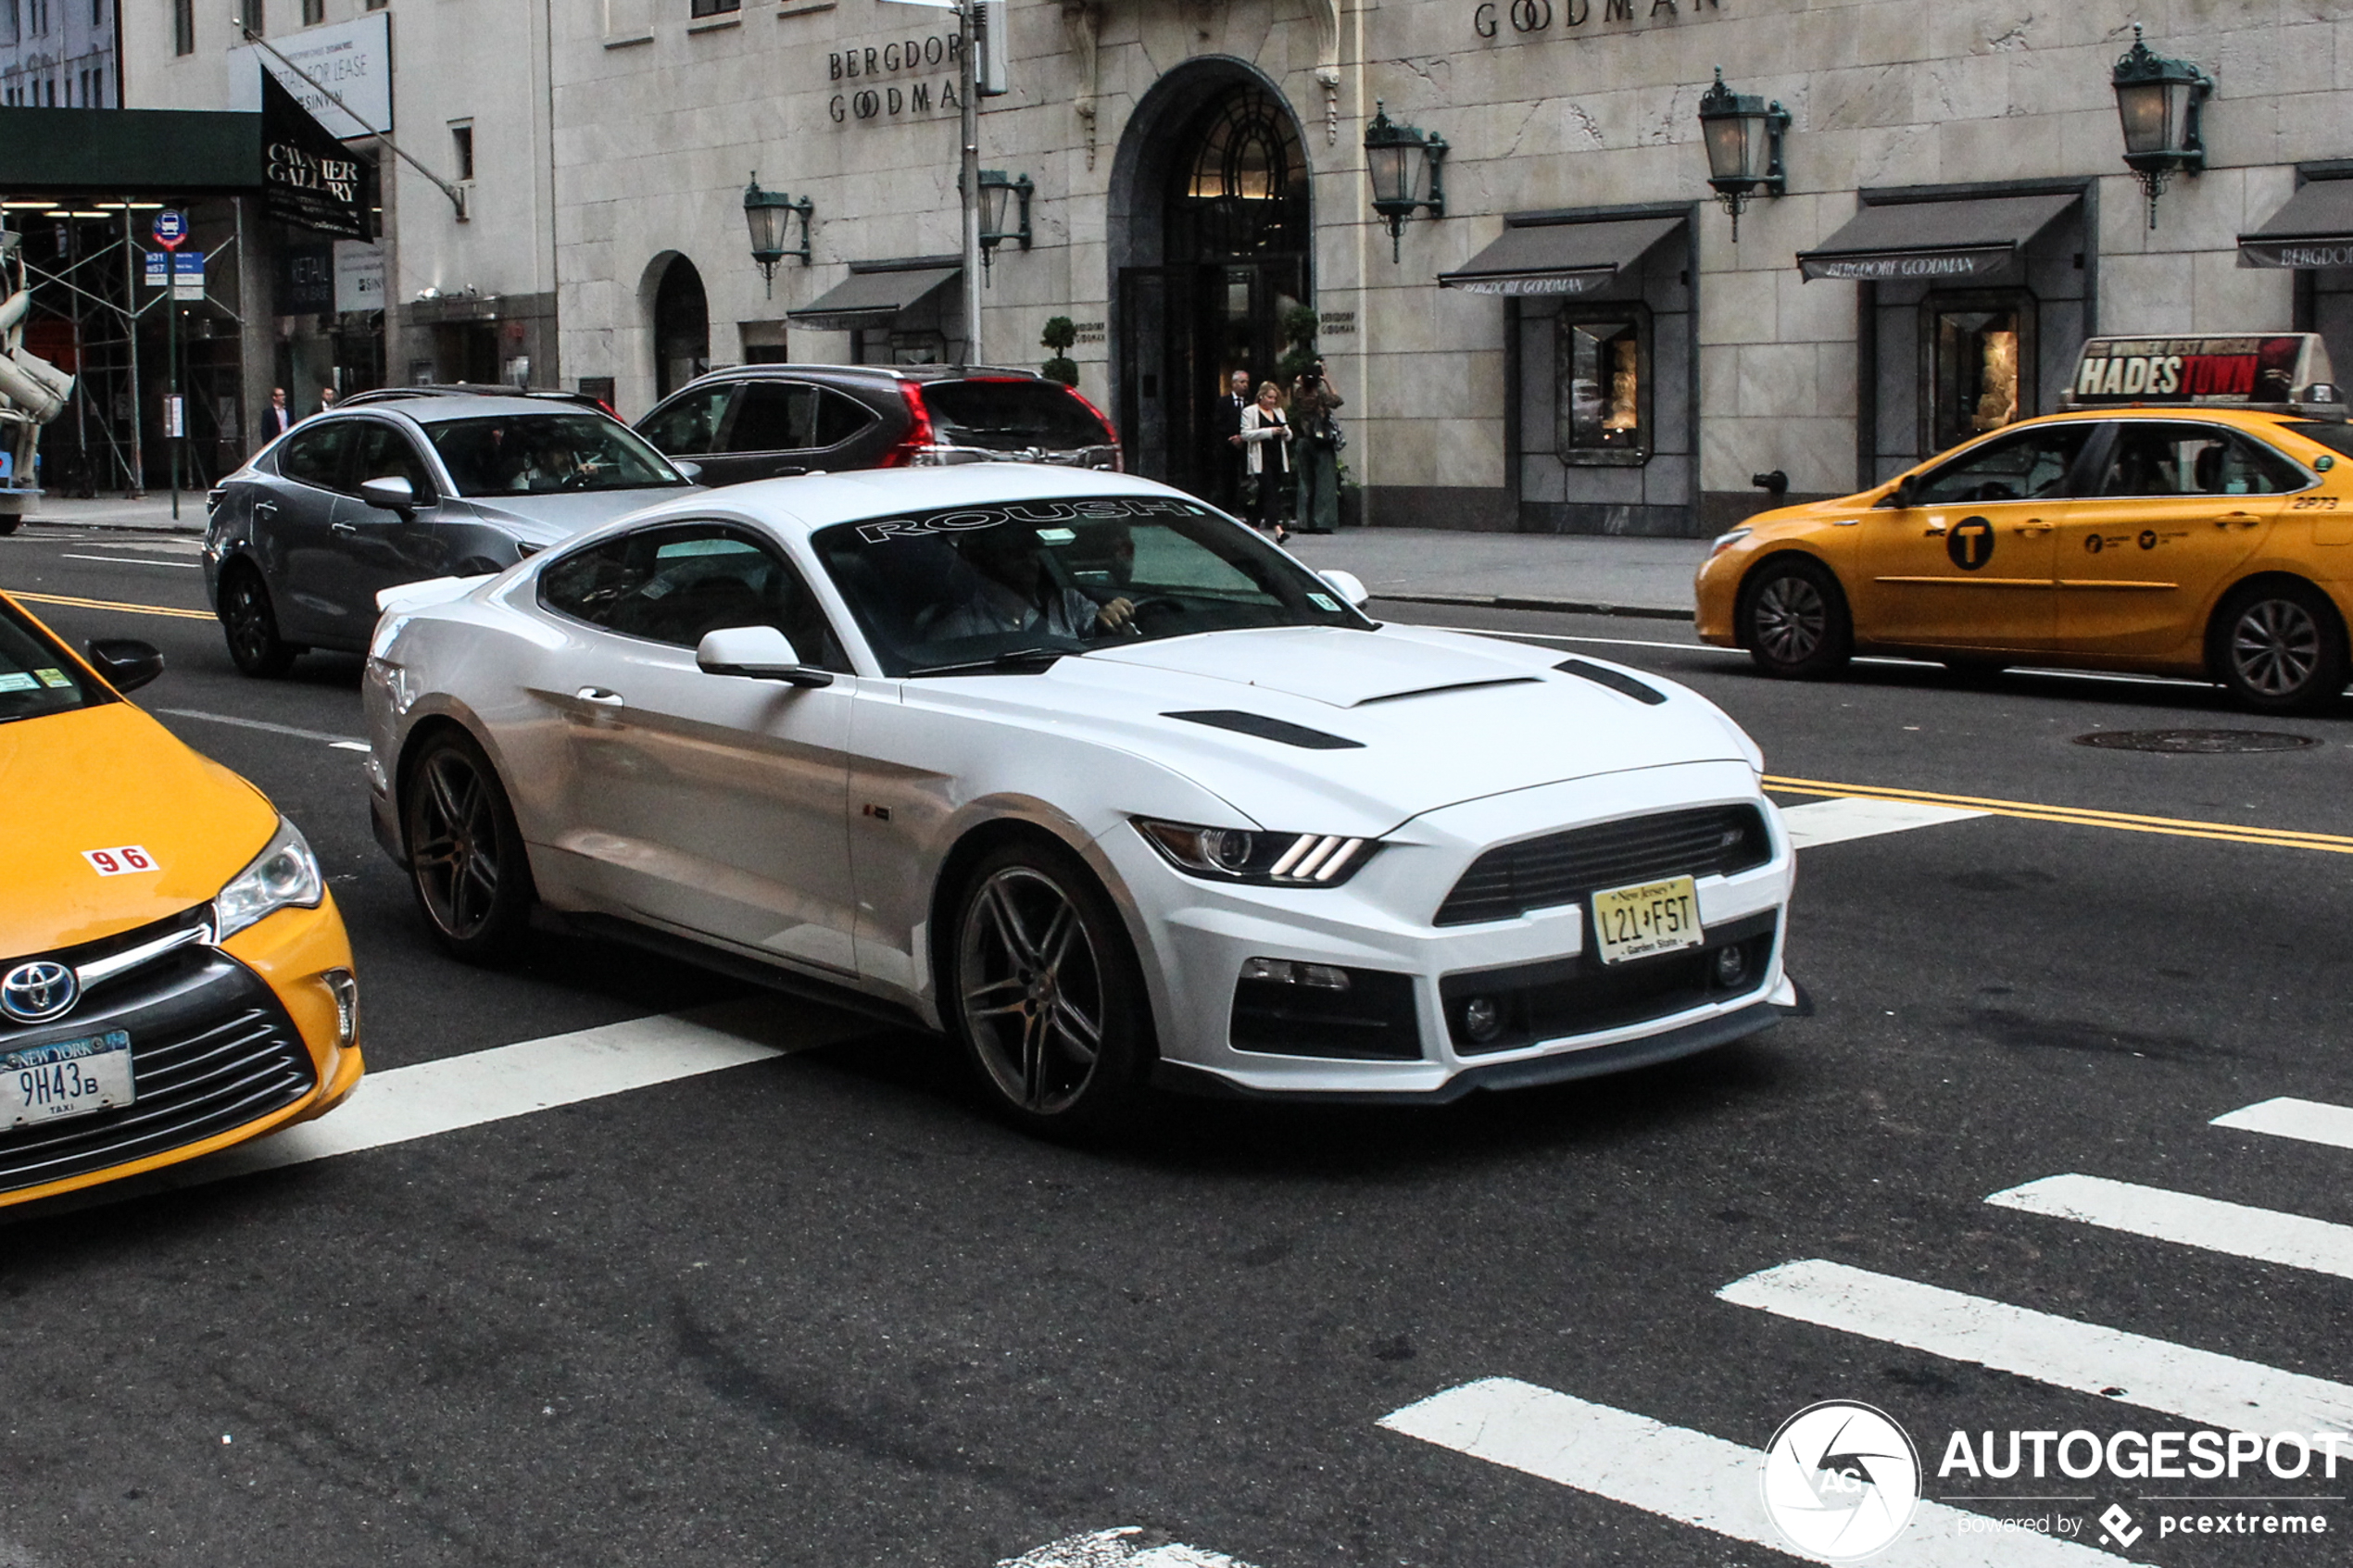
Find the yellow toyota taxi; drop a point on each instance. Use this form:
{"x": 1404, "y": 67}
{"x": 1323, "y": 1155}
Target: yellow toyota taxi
{"x": 173, "y": 976}
{"x": 2189, "y": 513}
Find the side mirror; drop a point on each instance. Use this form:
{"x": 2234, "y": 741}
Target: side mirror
{"x": 1348, "y": 585}
{"x": 691, "y": 472}
{"x": 393, "y": 495}
{"x": 761, "y": 653}
{"x": 126, "y": 662}
{"x": 1901, "y": 496}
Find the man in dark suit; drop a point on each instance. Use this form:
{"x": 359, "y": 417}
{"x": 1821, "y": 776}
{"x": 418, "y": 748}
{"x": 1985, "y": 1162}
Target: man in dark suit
{"x": 1234, "y": 461}
{"x": 280, "y": 419}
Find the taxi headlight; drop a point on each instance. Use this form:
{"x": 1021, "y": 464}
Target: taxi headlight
{"x": 283, "y": 875}
{"x": 1268, "y": 860}
{"x": 1725, "y": 541}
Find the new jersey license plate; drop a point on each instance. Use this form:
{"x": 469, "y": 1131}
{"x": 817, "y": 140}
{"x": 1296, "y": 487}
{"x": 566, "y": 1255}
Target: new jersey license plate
{"x": 62, "y": 1078}
{"x": 1650, "y": 917}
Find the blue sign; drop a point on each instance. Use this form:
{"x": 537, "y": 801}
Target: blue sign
{"x": 170, "y": 227}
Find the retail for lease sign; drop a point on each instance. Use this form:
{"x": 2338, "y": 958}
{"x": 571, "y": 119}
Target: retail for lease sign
{"x": 352, "y": 59}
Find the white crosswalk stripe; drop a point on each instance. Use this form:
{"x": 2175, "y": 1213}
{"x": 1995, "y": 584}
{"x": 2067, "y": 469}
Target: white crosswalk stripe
{"x": 1688, "y": 1477}
{"x": 1835, "y": 821}
{"x": 2263, "y": 1235}
{"x": 1128, "y": 1546}
{"x": 2309, "y": 1121}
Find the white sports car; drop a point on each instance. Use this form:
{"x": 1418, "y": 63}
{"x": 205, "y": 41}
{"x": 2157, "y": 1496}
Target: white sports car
{"x": 1089, "y": 776}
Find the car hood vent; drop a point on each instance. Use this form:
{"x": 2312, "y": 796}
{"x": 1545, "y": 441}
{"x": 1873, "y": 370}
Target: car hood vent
{"x": 1267, "y": 729}
{"x": 1616, "y": 680}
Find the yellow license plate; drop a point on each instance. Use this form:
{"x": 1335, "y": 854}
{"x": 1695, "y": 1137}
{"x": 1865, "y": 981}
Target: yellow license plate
{"x": 1651, "y": 917}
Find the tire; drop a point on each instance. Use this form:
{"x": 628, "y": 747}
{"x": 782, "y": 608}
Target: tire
{"x": 1044, "y": 995}
{"x": 9, "y": 524}
{"x": 1793, "y": 620}
{"x": 251, "y": 626}
{"x": 2279, "y": 646}
{"x": 467, "y": 864}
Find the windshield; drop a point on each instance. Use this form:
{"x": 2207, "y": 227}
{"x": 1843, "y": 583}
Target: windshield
{"x": 36, "y": 677}
{"x": 538, "y": 454}
{"x": 1012, "y": 416}
{"x": 1022, "y": 581}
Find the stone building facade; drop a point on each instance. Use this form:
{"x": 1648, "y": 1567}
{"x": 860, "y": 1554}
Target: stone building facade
{"x": 59, "y": 55}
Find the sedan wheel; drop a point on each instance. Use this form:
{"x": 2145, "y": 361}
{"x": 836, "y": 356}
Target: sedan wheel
{"x": 1044, "y": 991}
{"x": 251, "y": 626}
{"x": 2281, "y": 649}
{"x": 1794, "y": 620}
{"x": 466, "y": 860}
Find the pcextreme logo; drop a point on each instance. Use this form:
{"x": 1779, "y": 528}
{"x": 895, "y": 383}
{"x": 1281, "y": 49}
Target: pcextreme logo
{"x": 1840, "y": 1480}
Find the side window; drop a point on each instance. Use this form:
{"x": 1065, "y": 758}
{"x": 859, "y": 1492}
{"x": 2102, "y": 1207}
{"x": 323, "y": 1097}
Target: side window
{"x": 773, "y": 416}
{"x": 314, "y": 454}
{"x": 675, "y": 584}
{"x": 688, "y": 427}
{"x": 2246, "y": 467}
{"x": 2028, "y": 466}
{"x": 383, "y": 452}
{"x": 839, "y": 417}
{"x": 2153, "y": 458}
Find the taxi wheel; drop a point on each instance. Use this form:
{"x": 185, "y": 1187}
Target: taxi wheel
{"x": 2279, "y": 647}
{"x": 467, "y": 863}
{"x": 1793, "y": 620}
{"x": 1044, "y": 993}
{"x": 251, "y": 626}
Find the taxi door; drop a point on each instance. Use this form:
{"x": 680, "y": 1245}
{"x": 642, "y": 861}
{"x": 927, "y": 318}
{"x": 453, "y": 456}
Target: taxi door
{"x": 1966, "y": 563}
{"x": 2178, "y": 507}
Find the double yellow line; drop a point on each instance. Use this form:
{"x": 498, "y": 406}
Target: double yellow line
{"x": 2079, "y": 816}
{"x": 73, "y": 603}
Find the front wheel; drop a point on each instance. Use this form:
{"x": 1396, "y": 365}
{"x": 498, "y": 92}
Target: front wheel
{"x": 1045, "y": 995}
{"x": 2279, "y": 647}
{"x": 251, "y": 626}
{"x": 1794, "y": 620}
{"x": 467, "y": 864}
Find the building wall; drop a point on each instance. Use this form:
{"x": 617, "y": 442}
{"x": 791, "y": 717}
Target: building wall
{"x": 58, "y": 54}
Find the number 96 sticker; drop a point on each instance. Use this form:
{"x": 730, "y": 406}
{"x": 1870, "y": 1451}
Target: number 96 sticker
{"x": 123, "y": 859}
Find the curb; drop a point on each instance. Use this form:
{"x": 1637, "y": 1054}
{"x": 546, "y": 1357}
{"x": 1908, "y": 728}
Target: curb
{"x": 1549, "y": 607}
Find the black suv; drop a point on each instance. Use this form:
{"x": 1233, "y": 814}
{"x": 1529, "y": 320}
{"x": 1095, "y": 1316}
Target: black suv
{"x": 764, "y": 421}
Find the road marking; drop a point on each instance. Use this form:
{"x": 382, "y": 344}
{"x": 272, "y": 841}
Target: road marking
{"x": 1688, "y": 1477}
{"x": 1123, "y": 1548}
{"x": 2306, "y": 1119}
{"x": 2199, "y": 1385}
{"x": 134, "y": 560}
{"x": 348, "y": 743}
{"x": 1834, "y": 821}
{"x": 2264, "y": 1234}
{"x": 2079, "y": 816}
{"x": 73, "y": 603}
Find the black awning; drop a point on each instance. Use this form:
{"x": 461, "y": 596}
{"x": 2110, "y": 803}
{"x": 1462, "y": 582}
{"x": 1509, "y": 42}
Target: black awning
{"x": 1552, "y": 258}
{"x": 870, "y": 298}
{"x": 128, "y": 151}
{"x": 2315, "y": 229}
{"x": 1933, "y": 241}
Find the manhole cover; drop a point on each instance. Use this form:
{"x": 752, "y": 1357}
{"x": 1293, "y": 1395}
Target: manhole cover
{"x": 2207, "y": 742}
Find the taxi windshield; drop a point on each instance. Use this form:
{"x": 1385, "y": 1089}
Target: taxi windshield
{"x": 36, "y": 676}
{"x": 1013, "y": 585}
{"x": 534, "y": 453}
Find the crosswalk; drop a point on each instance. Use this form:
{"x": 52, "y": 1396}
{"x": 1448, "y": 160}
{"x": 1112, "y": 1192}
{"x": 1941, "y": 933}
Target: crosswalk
{"x": 1705, "y": 1482}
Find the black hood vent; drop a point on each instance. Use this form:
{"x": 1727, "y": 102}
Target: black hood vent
{"x": 1617, "y": 680}
{"x": 1267, "y": 729}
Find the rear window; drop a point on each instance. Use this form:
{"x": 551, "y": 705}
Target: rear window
{"x": 1012, "y": 416}
{"x": 36, "y": 676}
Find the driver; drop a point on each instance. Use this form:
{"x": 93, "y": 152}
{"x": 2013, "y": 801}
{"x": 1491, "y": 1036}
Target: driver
{"x": 550, "y": 466}
{"x": 1015, "y": 593}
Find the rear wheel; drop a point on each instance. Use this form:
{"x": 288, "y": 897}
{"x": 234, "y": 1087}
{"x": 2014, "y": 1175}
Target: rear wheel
{"x": 467, "y": 864}
{"x": 2279, "y": 646}
{"x": 251, "y": 626}
{"x": 1793, "y": 620}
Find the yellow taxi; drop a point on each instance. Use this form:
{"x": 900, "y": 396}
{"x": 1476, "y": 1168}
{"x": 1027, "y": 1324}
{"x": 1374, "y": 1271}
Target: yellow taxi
{"x": 2189, "y": 513}
{"x": 173, "y": 976}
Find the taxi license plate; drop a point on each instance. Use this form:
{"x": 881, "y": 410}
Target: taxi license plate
{"x": 62, "y": 1078}
{"x": 1650, "y": 917}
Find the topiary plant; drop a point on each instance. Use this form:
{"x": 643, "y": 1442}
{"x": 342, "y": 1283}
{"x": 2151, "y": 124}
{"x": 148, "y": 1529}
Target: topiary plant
{"x": 1060, "y": 334}
{"x": 1299, "y": 325}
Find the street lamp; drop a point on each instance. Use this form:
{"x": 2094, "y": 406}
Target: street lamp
{"x": 998, "y": 194}
{"x": 1744, "y": 136}
{"x": 770, "y": 214}
{"x": 1404, "y": 163}
{"x": 2159, "y": 101}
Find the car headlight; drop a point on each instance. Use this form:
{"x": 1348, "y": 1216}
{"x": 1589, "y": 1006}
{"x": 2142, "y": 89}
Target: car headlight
{"x": 1268, "y": 860}
{"x": 283, "y": 875}
{"x": 1725, "y": 541}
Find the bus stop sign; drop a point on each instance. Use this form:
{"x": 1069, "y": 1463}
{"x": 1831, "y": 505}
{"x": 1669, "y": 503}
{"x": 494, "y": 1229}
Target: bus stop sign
{"x": 171, "y": 228}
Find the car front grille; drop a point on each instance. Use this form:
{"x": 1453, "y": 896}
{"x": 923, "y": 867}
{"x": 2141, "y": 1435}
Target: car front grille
{"x": 211, "y": 1049}
{"x": 1564, "y": 998}
{"x": 1562, "y": 868}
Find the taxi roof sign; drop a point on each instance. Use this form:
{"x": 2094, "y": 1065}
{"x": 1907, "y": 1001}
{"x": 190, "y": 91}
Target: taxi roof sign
{"x": 2282, "y": 373}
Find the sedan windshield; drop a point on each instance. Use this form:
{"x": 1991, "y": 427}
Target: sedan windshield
{"x": 537, "y": 454}
{"x": 35, "y": 675}
{"x": 1009, "y": 586}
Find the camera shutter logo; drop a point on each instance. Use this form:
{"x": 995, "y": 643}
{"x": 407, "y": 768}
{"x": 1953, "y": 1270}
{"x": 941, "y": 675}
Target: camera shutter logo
{"x": 1840, "y": 1480}
{"x": 37, "y": 992}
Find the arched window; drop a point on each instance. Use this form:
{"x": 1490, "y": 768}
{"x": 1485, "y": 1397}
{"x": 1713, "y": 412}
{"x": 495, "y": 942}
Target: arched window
{"x": 682, "y": 328}
{"x": 1244, "y": 190}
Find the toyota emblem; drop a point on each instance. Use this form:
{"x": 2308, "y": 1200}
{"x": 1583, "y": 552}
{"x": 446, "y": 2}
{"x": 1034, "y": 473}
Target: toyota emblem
{"x": 39, "y": 991}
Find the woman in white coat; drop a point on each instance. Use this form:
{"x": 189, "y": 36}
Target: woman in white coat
{"x": 1265, "y": 437}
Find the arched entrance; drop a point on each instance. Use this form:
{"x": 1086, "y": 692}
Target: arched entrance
{"x": 682, "y": 328}
{"x": 1211, "y": 241}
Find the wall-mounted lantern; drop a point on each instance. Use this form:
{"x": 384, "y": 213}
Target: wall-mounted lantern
{"x": 770, "y": 215}
{"x": 998, "y": 195}
{"x": 1407, "y": 168}
{"x": 2159, "y": 101}
{"x": 1744, "y": 136}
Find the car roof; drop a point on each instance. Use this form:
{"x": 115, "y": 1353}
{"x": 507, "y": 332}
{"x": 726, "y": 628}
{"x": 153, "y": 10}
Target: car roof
{"x": 870, "y": 372}
{"x": 468, "y": 389}
{"x": 441, "y": 409}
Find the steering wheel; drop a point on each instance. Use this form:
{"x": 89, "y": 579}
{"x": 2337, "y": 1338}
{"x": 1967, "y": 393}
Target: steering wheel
{"x": 1158, "y": 602}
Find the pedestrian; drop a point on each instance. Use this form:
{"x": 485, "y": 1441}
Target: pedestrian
{"x": 326, "y": 399}
{"x": 1317, "y": 434}
{"x": 281, "y": 417}
{"x": 1265, "y": 436}
{"x": 1233, "y": 460}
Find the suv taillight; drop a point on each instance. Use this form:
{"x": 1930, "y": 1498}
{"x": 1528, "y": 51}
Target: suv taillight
{"x": 1110, "y": 432}
{"x": 912, "y": 447}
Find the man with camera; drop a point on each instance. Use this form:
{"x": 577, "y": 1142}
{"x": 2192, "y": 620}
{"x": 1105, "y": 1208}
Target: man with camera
{"x": 1320, "y": 442}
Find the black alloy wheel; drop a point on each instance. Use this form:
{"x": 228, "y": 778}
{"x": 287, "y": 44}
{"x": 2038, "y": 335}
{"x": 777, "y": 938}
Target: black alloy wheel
{"x": 1793, "y": 619}
{"x": 2280, "y": 646}
{"x": 1045, "y": 995}
{"x": 467, "y": 863}
{"x": 251, "y": 626}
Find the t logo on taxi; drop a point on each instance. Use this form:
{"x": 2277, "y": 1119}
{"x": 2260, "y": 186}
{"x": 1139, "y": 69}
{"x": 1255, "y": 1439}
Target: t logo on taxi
{"x": 1971, "y": 544}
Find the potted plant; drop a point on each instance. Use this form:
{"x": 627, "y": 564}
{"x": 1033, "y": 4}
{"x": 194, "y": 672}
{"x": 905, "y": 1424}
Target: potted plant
{"x": 1060, "y": 334}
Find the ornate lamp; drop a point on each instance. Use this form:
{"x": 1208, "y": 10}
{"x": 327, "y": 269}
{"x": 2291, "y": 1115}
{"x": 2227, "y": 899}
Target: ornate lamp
{"x": 1407, "y": 168}
{"x": 2159, "y": 101}
{"x": 1744, "y": 136}
{"x": 770, "y": 214}
{"x": 998, "y": 194}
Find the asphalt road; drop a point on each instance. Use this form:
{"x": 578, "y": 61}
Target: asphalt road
{"x": 819, "y": 1309}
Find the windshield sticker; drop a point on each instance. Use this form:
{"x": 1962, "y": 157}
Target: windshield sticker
{"x": 1324, "y": 601}
{"x": 123, "y": 859}
{"x": 1108, "y": 509}
{"x": 54, "y": 679}
{"x": 13, "y": 681}
{"x": 1055, "y": 535}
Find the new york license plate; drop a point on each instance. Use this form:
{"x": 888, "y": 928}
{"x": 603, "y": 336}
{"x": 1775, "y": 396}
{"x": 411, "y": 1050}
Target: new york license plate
{"x": 1650, "y": 917}
{"x": 61, "y": 1078}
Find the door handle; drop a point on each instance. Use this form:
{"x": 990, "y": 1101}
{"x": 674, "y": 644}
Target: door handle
{"x": 2032, "y": 526}
{"x": 264, "y": 509}
{"x": 601, "y": 697}
{"x": 2245, "y": 519}
{"x": 344, "y": 528}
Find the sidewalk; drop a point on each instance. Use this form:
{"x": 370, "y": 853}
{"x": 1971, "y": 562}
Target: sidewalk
{"x": 153, "y": 513}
